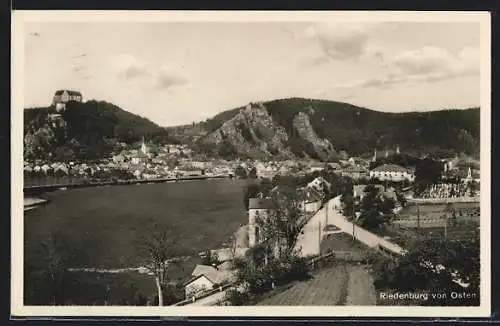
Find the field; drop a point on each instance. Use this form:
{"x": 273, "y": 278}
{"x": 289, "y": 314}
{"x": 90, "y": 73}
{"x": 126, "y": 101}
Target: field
{"x": 343, "y": 284}
{"x": 104, "y": 225}
{"x": 465, "y": 211}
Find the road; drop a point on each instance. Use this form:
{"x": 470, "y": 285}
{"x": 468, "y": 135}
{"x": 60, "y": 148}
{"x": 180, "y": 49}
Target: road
{"x": 309, "y": 241}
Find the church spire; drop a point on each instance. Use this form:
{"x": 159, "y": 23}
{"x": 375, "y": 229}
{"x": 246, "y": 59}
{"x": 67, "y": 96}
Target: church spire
{"x": 144, "y": 148}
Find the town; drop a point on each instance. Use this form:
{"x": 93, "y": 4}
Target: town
{"x": 305, "y": 163}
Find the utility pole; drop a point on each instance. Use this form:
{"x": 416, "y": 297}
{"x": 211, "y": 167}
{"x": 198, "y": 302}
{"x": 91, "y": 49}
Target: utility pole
{"x": 446, "y": 226}
{"x": 319, "y": 237}
{"x": 418, "y": 220}
{"x": 353, "y": 219}
{"x": 326, "y": 213}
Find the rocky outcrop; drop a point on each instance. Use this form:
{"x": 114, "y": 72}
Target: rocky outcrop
{"x": 252, "y": 132}
{"x": 43, "y": 135}
{"x": 302, "y": 124}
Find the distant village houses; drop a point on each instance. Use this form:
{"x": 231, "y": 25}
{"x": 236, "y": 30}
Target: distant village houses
{"x": 392, "y": 172}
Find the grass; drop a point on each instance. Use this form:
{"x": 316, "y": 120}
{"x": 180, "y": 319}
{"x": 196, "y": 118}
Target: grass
{"x": 341, "y": 242}
{"x": 343, "y": 284}
{"x": 104, "y": 225}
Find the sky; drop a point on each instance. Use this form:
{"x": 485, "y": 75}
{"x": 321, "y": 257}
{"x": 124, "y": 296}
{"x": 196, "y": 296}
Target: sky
{"x": 182, "y": 72}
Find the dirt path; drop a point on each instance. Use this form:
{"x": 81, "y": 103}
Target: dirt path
{"x": 342, "y": 285}
{"x": 360, "y": 289}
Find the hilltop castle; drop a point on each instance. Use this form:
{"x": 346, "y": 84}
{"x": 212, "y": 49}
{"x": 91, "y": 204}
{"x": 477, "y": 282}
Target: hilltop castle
{"x": 63, "y": 96}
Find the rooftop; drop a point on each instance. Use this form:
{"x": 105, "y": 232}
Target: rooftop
{"x": 259, "y": 203}
{"x": 390, "y": 168}
{"x": 70, "y": 92}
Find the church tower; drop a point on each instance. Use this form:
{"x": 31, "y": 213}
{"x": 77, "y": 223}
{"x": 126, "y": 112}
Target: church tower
{"x": 374, "y": 159}
{"x": 144, "y": 148}
{"x": 397, "y": 150}
{"x": 386, "y": 153}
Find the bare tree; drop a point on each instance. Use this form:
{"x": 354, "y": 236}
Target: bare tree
{"x": 284, "y": 222}
{"x": 157, "y": 245}
{"x": 53, "y": 261}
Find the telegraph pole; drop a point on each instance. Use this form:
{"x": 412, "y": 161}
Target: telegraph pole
{"x": 319, "y": 237}
{"x": 353, "y": 219}
{"x": 326, "y": 213}
{"x": 418, "y": 219}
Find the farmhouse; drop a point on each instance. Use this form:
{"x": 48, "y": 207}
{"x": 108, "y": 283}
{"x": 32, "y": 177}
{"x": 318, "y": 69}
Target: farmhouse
{"x": 392, "y": 172}
{"x": 355, "y": 172}
{"x": 318, "y": 184}
{"x": 206, "y": 278}
{"x": 311, "y": 200}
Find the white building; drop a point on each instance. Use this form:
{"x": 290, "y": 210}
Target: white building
{"x": 311, "y": 200}
{"x": 257, "y": 207}
{"x": 318, "y": 184}
{"x": 316, "y": 166}
{"x": 392, "y": 172}
{"x": 205, "y": 278}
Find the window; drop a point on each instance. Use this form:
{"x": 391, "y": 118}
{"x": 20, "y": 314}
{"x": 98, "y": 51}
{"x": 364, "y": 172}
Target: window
{"x": 257, "y": 234}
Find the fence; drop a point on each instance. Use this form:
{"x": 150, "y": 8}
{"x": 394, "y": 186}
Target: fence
{"x": 475, "y": 199}
{"x": 204, "y": 294}
{"x": 335, "y": 256}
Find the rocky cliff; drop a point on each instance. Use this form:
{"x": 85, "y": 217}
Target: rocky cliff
{"x": 318, "y": 129}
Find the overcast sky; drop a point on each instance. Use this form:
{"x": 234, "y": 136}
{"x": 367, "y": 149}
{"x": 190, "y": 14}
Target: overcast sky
{"x": 175, "y": 73}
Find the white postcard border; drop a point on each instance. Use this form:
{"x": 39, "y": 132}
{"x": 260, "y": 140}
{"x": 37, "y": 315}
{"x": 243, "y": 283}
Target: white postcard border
{"x": 19, "y": 18}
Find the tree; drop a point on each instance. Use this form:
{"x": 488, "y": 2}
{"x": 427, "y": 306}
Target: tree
{"x": 54, "y": 252}
{"x": 474, "y": 188}
{"x": 240, "y": 172}
{"x": 285, "y": 220}
{"x": 419, "y": 268}
{"x": 376, "y": 210}
{"x": 157, "y": 245}
{"x": 252, "y": 174}
{"x": 428, "y": 171}
{"x": 348, "y": 206}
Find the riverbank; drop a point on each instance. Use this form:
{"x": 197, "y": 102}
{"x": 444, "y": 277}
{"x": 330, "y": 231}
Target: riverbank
{"x": 33, "y": 202}
{"x": 37, "y": 189}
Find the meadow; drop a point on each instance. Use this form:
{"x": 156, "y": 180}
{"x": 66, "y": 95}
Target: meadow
{"x": 103, "y": 226}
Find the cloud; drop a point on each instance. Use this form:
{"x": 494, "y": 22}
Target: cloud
{"x": 168, "y": 78}
{"x": 149, "y": 76}
{"x": 427, "y": 64}
{"x": 129, "y": 67}
{"x": 342, "y": 41}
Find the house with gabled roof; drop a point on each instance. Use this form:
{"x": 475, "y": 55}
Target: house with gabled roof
{"x": 205, "y": 278}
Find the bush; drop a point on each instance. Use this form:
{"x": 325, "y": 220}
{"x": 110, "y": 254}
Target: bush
{"x": 238, "y": 298}
{"x": 277, "y": 271}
